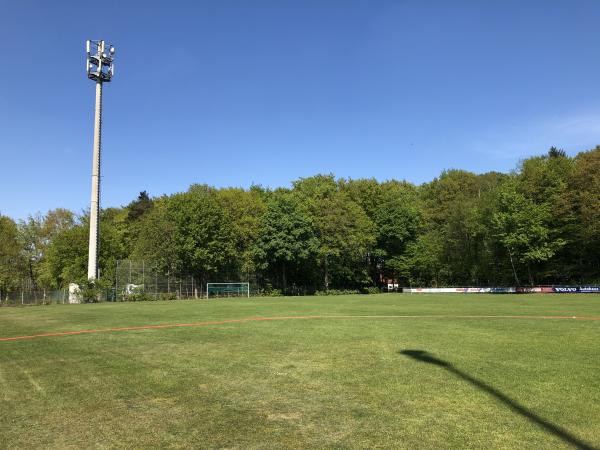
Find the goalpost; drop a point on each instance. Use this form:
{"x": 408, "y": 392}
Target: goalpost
{"x": 228, "y": 290}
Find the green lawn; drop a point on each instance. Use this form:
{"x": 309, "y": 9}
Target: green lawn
{"x": 321, "y": 383}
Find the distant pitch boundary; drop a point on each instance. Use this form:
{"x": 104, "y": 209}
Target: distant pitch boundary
{"x": 262, "y": 319}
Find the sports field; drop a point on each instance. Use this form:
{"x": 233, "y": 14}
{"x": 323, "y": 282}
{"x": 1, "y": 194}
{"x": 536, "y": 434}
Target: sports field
{"x": 387, "y": 371}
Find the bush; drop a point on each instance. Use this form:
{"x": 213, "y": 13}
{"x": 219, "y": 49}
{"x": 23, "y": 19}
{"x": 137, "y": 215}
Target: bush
{"x": 274, "y": 293}
{"x": 371, "y": 290}
{"x": 139, "y": 295}
{"x": 270, "y": 291}
{"x": 167, "y": 296}
{"x": 337, "y": 292}
{"x": 90, "y": 291}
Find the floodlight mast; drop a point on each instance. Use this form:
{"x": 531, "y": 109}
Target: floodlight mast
{"x": 100, "y": 68}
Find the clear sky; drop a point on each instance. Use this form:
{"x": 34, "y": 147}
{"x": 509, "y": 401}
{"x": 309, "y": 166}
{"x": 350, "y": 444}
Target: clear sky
{"x": 232, "y": 93}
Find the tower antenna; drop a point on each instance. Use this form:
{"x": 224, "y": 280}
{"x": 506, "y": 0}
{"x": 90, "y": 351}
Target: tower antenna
{"x": 100, "y": 68}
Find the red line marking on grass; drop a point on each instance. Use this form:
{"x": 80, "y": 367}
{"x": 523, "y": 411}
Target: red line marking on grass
{"x": 259, "y": 319}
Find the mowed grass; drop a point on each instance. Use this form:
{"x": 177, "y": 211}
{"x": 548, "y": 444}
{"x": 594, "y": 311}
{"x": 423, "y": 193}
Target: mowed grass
{"x": 338, "y": 382}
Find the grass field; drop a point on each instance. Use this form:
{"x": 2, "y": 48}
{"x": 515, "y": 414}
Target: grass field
{"x": 320, "y": 382}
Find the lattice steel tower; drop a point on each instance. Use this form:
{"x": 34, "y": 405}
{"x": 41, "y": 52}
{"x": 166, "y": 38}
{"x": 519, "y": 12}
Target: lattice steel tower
{"x": 100, "y": 68}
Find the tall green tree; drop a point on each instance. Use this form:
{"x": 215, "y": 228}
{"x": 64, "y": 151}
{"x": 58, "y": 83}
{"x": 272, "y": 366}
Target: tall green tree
{"x": 155, "y": 243}
{"x": 55, "y": 222}
{"x": 31, "y": 240}
{"x": 584, "y": 203}
{"x": 11, "y": 261}
{"x": 66, "y": 256}
{"x": 455, "y": 208}
{"x": 397, "y": 222}
{"x": 544, "y": 181}
{"x": 243, "y": 211}
{"x": 521, "y": 227}
{"x": 203, "y": 239}
{"x": 140, "y": 206}
{"x": 285, "y": 241}
{"x": 394, "y": 209}
{"x": 342, "y": 229}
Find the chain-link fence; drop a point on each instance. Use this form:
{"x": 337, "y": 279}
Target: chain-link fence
{"x": 50, "y": 297}
{"x": 34, "y": 297}
{"x": 138, "y": 280}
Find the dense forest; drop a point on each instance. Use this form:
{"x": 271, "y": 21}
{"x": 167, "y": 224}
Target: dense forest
{"x": 537, "y": 225}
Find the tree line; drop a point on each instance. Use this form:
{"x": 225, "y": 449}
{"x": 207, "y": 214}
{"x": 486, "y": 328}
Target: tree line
{"x": 539, "y": 224}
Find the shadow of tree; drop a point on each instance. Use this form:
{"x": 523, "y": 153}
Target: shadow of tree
{"x": 561, "y": 433}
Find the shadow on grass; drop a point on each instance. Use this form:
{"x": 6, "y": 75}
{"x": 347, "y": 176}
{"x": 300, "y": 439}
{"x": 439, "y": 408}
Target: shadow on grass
{"x": 561, "y": 433}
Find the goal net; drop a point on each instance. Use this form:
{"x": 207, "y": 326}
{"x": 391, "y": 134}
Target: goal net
{"x": 227, "y": 290}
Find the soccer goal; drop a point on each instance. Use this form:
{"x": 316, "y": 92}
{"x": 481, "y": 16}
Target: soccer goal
{"x": 227, "y": 290}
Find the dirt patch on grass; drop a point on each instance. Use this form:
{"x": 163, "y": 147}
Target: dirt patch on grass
{"x": 284, "y": 416}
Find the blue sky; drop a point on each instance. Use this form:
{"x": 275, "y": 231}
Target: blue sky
{"x": 232, "y": 93}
